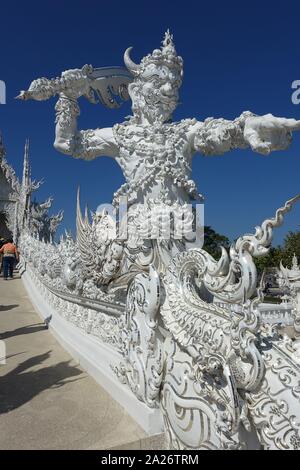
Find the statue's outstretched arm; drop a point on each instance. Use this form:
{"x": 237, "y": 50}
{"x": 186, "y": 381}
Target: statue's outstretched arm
{"x": 88, "y": 82}
{"x": 263, "y": 134}
{"x": 85, "y": 144}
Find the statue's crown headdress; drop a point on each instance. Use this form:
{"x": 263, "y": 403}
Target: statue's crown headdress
{"x": 167, "y": 55}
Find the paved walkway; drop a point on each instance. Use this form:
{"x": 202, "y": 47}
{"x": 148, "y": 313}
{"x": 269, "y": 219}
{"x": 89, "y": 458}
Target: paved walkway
{"x": 46, "y": 400}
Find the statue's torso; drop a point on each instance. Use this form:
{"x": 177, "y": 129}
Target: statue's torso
{"x": 155, "y": 157}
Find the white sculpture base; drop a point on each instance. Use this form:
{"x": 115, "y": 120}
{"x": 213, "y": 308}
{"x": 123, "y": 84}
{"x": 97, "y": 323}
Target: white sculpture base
{"x": 96, "y": 358}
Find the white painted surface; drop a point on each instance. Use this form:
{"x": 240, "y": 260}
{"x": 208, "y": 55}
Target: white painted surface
{"x": 96, "y": 359}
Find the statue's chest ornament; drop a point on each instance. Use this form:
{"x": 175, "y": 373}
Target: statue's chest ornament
{"x": 153, "y": 146}
{"x": 149, "y": 154}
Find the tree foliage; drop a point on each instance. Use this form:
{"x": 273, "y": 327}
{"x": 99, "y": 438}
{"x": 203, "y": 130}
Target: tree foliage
{"x": 213, "y": 242}
{"x": 284, "y": 253}
{"x": 291, "y": 244}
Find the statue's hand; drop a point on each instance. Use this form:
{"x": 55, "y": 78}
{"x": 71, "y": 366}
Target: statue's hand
{"x": 267, "y": 133}
{"x": 72, "y": 83}
{"x": 76, "y": 82}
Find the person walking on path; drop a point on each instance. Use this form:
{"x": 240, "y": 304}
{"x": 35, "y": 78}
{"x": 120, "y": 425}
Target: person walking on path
{"x": 10, "y": 255}
{"x": 2, "y": 241}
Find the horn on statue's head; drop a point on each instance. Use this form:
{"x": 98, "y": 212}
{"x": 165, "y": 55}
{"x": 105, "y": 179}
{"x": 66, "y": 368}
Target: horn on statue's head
{"x": 131, "y": 66}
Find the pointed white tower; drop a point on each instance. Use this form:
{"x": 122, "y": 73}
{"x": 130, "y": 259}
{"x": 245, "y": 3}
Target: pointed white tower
{"x": 26, "y": 169}
{"x": 26, "y": 184}
{"x": 2, "y": 148}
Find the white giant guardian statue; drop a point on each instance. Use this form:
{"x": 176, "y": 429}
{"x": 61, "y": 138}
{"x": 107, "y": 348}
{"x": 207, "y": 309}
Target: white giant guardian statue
{"x": 184, "y": 330}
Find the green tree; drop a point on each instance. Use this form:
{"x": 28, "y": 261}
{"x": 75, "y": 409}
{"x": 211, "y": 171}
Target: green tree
{"x": 270, "y": 260}
{"x": 291, "y": 246}
{"x": 284, "y": 253}
{"x": 213, "y": 242}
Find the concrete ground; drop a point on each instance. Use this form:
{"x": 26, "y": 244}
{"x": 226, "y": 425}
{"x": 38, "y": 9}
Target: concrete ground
{"x": 46, "y": 400}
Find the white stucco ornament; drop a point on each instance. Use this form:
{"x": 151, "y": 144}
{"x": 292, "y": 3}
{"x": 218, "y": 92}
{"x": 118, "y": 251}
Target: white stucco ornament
{"x": 184, "y": 330}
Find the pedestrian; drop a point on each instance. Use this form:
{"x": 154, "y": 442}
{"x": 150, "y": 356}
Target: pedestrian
{"x": 10, "y": 255}
{"x": 2, "y": 241}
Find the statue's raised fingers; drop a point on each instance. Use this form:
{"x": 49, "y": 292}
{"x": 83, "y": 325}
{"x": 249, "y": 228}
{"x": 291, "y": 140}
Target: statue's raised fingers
{"x": 290, "y": 124}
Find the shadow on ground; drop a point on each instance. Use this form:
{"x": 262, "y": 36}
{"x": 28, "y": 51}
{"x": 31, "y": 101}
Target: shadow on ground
{"x": 23, "y": 330}
{"x": 18, "y": 386}
{"x": 4, "y": 308}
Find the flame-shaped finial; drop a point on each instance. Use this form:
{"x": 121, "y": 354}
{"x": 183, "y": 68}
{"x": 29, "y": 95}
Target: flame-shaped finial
{"x": 168, "y": 39}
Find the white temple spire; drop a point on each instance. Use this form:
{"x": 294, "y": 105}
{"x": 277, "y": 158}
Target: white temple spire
{"x": 26, "y": 169}
{"x": 26, "y": 183}
{"x": 2, "y": 148}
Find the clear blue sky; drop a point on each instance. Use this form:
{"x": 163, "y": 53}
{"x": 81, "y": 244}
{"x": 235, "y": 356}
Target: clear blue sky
{"x": 238, "y": 56}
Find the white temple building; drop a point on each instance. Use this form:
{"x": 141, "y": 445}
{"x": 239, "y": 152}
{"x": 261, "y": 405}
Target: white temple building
{"x": 17, "y": 209}
{"x": 9, "y": 196}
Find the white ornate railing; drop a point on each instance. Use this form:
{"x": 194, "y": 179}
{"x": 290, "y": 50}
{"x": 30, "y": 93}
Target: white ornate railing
{"x": 269, "y": 313}
{"x": 278, "y": 313}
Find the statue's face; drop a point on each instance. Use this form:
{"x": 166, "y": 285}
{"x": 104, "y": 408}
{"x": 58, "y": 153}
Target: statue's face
{"x": 155, "y": 92}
